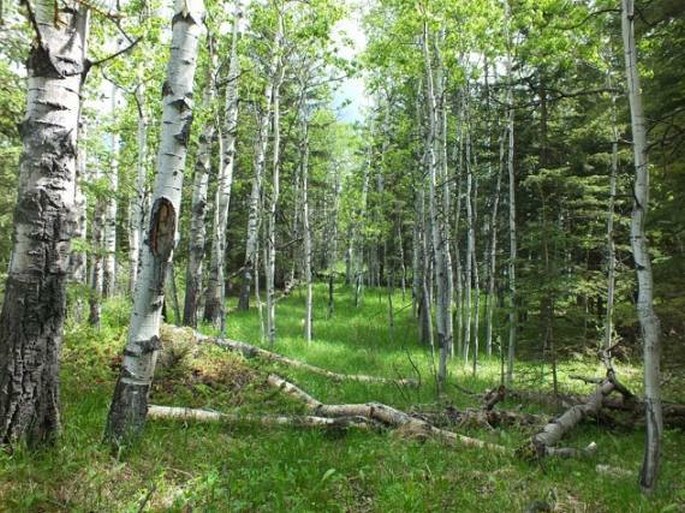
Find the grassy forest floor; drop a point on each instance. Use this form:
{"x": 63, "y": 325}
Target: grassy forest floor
{"x": 184, "y": 466}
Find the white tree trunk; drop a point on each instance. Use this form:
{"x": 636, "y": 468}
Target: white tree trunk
{"x": 129, "y": 404}
{"x": 33, "y": 311}
{"x": 214, "y": 303}
{"x": 649, "y": 322}
{"x": 97, "y": 255}
{"x": 470, "y": 242}
{"x": 203, "y": 167}
{"x": 307, "y": 233}
{"x": 79, "y": 258}
{"x": 139, "y": 200}
{"x": 112, "y": 204}
{"x": 611, "y": 247}
{"x": 255, "y": 206}
{"x": 439, "y": 244}
{"x": 270, "y": 249}
{"x": 492, "y": 260}
{"x": 447, "y": 297}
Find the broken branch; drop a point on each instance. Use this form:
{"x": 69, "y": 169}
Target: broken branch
{"x": 385, "y": 414}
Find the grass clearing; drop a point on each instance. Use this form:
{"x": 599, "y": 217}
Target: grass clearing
{"x": 187, "y": 466}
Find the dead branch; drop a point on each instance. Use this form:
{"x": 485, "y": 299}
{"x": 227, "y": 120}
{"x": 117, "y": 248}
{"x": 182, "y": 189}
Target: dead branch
{"x": 674, "y": 413}
{"x": 181, "y": 413}
{"x": 542, "y": 444}
{"x": 494, "y": 396}
{"x": 382, "y": 413}
{"x": 250, "y": 351}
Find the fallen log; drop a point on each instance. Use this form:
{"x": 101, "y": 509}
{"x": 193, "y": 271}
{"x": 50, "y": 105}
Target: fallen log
{"x": 199, "y": 415}
{"x": 250, "y": 351}
{"x": 673, "y": 413}
{"x": 542, "y": 444}
{"x": 382, "y": 413}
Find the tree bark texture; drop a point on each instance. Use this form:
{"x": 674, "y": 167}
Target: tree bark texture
{"x": 78, "y": 259}
{"x": 203, "y": 166}
{"x": 254, "y": 208}
{"x": 649, "y": 322}
{"x": 311, "y": 421}
{"x": 214, "y": 302}
{"x": 277, "y": 74}
{"x": 440, "y": 245}
{"x": 139, "y": 200}
{"x": 129, "y": 405}
{"x": 307, "y": 233}
{"x": 32, "y": 318}
{"x": 109, "y": 281}
{"x": 542, "y": 444}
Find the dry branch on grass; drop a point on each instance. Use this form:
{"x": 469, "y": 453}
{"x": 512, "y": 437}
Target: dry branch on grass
{"x": 674, "y": 413}
{"x": 181, "y": 413}
{"x": 387, "y": 415}
{"x": 543, "y": 443}
{"x": 250, "y": 351}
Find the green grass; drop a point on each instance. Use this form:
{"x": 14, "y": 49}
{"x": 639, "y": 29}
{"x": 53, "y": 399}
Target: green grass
{"x": 185, "y": 466}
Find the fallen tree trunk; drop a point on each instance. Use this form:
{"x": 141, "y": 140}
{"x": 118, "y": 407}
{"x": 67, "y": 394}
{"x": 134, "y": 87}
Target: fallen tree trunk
{"x": 542, "y": 443}
{"x": 382, "y": 413}
{"x": 172, "y": 412}
{"x": 674, "y": 413}
{"x": 250, "y": 351}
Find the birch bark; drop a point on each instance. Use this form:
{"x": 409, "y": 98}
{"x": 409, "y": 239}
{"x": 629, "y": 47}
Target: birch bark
{"x": 611, "y": 247}
{"x": 255, "y": 205}
{"x": 440, "y": 250}
{"x": 203, "y": 167}
{"x": 270, "y": 249}
{"x": 32, "y": 318}
{"x": 214, "y": 303}
{"x": 111, "y": 205}
{"x": 79, "y": 258}
{"x": 307, "y": 233}
{"x": 129, "y": 404}
{"x": 139, "y": 201}
{"x": 649, "y": 322}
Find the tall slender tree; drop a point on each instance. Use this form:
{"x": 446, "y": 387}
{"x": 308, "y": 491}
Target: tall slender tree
{"x": 203, "y": 164}
{"x": 214, "y": 302}
{"x": 129, "y": 404}
{"x": 649, "y": 322}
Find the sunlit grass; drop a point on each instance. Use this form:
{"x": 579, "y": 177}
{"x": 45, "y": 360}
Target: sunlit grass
{"x": 186, "y": 466}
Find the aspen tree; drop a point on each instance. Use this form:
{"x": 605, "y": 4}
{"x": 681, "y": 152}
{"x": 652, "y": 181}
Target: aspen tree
{"x": 649, "y": 322}
{"x": 129, "y": 404}
{"x": 33, "y": 311}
